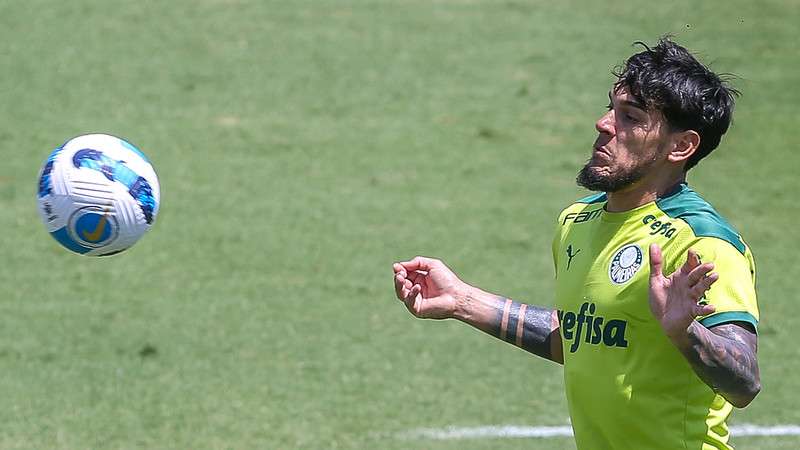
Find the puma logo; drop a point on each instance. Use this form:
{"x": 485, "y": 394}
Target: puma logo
{"x": 571, "y": 255}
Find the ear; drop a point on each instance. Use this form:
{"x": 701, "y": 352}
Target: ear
{"x": 684, "y": 144}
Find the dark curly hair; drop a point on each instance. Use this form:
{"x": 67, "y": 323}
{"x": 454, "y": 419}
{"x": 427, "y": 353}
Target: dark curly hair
{"x": 667, "y": 78}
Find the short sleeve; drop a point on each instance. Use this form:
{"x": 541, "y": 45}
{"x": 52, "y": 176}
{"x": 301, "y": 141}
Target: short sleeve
{"x": 733, "y": 294}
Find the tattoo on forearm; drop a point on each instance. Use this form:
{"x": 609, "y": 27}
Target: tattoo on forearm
{"x": 724, "y": 357}
{"x": 526, "y": 326}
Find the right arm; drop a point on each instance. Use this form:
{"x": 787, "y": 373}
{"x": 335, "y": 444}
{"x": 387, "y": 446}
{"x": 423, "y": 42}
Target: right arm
{"x": 429, "y": 289}
{"x": 529, "y": 327}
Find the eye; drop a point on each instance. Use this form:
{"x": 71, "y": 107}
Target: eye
{"x": 631, "y": 118}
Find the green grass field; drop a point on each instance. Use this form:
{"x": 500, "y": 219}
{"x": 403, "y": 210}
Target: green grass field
{"x": 302, "y": 147}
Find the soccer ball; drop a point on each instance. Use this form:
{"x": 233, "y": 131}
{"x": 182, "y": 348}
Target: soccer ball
{"x": 98, "y": 194}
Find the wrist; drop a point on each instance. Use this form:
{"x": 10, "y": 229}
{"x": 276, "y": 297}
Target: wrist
{"x": 680, "y": 336}
{"x": 464, "y": 302}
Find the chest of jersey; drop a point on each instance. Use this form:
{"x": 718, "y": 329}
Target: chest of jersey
{"x": 602, "y": 281}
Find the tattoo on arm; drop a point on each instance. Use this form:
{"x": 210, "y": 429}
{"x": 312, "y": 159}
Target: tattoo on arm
{"x": 724, "y": 357}
{"x": 526, "y": 326}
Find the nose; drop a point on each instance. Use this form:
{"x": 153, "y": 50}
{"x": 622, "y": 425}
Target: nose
{"x": 605, "y": 124}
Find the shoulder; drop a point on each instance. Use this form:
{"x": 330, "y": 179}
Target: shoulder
{"x": 715, "y": 240}
{"x": 702, "y": 219}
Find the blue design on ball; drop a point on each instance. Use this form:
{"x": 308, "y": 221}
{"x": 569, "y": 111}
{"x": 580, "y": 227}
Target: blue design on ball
{"x": 63, "y": 238}
{"x": 143, "y": 193}
{"x": 45, "y": 187}
{"x": 138, "y": 187}
{"x": 134, "y": 149}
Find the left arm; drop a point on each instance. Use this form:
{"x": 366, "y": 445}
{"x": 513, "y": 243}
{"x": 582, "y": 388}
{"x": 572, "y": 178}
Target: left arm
{"x": 723, "y": 356}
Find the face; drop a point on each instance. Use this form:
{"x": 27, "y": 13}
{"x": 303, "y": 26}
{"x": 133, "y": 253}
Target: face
{"x": 630, "y": 143}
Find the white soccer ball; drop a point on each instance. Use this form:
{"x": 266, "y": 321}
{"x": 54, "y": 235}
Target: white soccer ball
{"x": 98, "y": 194}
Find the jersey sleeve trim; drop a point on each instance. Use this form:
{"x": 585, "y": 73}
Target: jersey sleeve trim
{"x": 728, "y": 317}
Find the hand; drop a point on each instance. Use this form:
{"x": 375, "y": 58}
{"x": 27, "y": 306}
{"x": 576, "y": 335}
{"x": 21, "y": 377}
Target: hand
{"x": 427, "y": 287}
{"x": 674, "y": 299}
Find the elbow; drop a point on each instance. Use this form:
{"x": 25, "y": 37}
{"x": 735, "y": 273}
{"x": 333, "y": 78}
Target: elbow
{"x": 744, "y": 398}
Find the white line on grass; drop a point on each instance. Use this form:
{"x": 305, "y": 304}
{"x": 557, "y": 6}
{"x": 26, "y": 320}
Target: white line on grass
{"x": 513, "y": 431}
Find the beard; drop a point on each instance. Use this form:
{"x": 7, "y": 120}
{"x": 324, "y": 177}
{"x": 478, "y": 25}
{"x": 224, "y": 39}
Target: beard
{"x": 593, "y": 181}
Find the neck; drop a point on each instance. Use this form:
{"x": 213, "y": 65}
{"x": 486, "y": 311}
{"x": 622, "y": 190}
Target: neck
{"x": 642, "y": 192}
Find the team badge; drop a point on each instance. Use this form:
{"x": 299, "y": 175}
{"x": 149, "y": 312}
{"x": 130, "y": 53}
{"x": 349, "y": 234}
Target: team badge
{"x": 625, "y": 263}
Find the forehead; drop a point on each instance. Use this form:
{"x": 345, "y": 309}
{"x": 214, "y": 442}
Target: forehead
{"x": 622, "y": 95}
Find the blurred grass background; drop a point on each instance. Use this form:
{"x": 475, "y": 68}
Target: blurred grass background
{"x": 302, "y": 147}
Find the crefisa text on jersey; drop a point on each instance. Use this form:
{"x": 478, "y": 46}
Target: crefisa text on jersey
{"x": 611, "y": 333}
{"x": 659, "y": 227}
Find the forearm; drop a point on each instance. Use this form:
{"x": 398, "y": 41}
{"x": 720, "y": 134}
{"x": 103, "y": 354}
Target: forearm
{"x": 532, "y": 328}
{"x": 725, "y": 359}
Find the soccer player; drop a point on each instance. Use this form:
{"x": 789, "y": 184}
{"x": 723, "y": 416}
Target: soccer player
{"x": 655, "y": 355}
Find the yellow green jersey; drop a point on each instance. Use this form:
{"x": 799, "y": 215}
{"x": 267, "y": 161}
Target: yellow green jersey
{"x": 627, "y": 386}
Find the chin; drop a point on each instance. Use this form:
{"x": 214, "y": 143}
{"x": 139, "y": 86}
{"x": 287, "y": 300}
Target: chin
{"x": 600, "y": 179}
{"x": 599, "y": 172}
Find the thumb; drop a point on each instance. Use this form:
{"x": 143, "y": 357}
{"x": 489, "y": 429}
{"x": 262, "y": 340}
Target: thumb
{"x": 418, "y": 263}
{"x": 656, "y": 261}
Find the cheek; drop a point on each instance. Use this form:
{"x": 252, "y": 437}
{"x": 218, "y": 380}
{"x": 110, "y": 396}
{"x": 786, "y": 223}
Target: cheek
{"x": 625, "y": 136}
{"x": 629, "y": 146}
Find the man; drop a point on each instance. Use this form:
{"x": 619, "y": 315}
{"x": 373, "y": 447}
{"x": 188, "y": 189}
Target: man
{"x": 655, "y": 356}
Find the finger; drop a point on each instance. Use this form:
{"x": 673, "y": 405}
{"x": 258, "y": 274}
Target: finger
{"x": 692, "y": 261}
{"x": 416, "y": 276}
{"x": 413, "y": 291}
{"x": 411, "y": 298}
{"x": 402, "y": 286}
{"x": 398, "y": 268}
{"x": 703, "y": 310}
{"x": 699, "y": 272}
{"x": 703, "y": 285}
{"x": 399, "y": 284}
{"x": 656, "y": 261}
